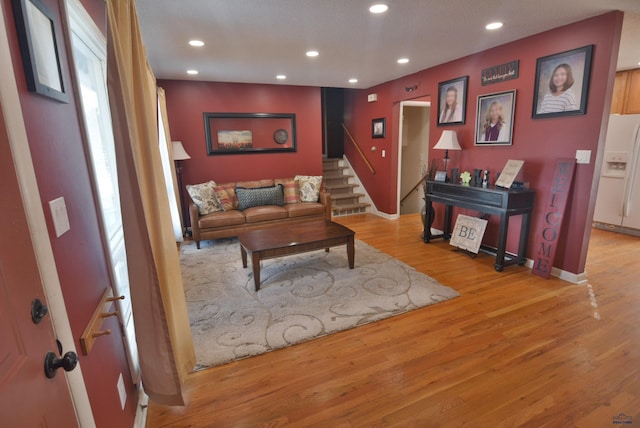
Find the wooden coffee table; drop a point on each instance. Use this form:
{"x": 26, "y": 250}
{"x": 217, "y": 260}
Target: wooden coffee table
{"x": 269, "y": 243}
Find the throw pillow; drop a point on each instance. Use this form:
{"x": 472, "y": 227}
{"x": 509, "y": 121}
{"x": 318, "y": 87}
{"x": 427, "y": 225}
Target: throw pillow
{"x": 202, "y": 195}
{"x": 259, "y": 196}
{"x": 291, "y": 192}
{"x": 226, "y": 194}
{"x": 309, "y": 187}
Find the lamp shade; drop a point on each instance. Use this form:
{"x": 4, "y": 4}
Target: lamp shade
{"x": 448, "y": 141}
{"x": 179, "y": 153}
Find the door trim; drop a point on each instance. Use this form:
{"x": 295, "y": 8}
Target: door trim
{"x": 37, "y": 226}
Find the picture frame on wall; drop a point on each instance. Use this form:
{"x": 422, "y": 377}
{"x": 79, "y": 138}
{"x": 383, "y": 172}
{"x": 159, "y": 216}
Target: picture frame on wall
{"x": 562, "y": 83}
{"x": 379, "y": 128}
{"x": 36, "y": 27}
{"x": 494, "y": 119}
{"x": 452, "y": 101}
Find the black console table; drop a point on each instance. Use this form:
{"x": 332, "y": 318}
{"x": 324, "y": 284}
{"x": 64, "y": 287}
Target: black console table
{"x": 501, "y": 202}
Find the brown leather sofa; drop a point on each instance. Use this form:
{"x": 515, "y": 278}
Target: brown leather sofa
{"x": 227, "y": 224}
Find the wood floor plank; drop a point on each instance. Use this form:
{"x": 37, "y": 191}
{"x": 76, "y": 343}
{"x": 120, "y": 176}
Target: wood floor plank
{"x": 513, "y": 350}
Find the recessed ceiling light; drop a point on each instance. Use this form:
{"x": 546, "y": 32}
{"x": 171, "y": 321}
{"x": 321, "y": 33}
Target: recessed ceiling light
{"x": 196, "y": 43}
{"x": 403, "y": 60}
{"x": 312, "y": 53}
{"x": 378, "y": 8}
{"x": 281, "y": 77}
{"x": 192, "y": 72}
{"x": 353, "y": 80}
{"x": 493, "y": 25}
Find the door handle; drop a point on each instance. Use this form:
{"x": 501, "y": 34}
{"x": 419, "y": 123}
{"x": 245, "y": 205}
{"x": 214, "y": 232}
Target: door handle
{"x": 68, "y": 362}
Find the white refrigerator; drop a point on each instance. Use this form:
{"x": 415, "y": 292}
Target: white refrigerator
{"x": 618, "y": 200}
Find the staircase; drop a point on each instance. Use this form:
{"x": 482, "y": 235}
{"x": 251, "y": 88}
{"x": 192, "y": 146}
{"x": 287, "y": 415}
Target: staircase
{"x": 337, "y": 181}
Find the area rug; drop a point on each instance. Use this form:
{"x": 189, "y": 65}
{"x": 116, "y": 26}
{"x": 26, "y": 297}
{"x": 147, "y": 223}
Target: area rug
{"x": 301, "y": 297}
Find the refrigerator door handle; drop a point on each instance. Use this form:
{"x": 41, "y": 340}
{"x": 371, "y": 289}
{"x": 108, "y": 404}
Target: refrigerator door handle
{"x": 631, "y": 179}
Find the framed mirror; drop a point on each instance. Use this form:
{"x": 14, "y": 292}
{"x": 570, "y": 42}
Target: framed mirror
{"x": 238, "y": 133}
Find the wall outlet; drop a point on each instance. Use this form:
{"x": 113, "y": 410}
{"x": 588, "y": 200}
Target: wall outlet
{"x": 60, "y": 217}
{"x": 583, "y": 156}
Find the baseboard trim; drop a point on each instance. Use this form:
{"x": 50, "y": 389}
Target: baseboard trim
{"x": 573, "y": 278}
{"x": 141, "y": 408}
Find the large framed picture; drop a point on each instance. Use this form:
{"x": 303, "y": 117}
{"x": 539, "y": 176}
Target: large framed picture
{"x": 494, "y": 119}
{"x": 452, "y": 101}
{"x": 36, "y": 26}
{"x": 562, "y": 83}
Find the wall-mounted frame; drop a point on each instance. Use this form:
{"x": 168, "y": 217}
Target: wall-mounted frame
{"x": 562, "y": 83}
{"x": 36, "y": 26}
{"x": 238, "y": 133}
{"x": 494, "y": 119}
{"x": 452, "y": 101}
{"x": 379, "y": 128}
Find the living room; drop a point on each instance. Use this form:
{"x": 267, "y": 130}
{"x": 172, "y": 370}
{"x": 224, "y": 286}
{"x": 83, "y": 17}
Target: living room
{"x": 514, "y": 349}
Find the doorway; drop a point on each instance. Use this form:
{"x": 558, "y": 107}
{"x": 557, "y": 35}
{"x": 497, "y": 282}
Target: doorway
{"x": 413, "y": 154}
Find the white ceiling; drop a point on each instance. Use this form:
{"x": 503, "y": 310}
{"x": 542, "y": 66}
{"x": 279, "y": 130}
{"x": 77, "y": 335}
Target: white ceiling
{"x": 254, "y": 40}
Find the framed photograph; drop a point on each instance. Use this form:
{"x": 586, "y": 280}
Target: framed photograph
{"x": 452, "y": 101}
{"x": 562, "y": 83}
{"x": 494, "y": 119}
{"x": 238, "y": 133}
{"x": 441, "y": 176}
{"x": 36, "y": 26}
{"x": 379, "y": 128}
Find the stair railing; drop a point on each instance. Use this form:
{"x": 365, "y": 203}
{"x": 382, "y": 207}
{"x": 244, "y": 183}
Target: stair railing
{"x": 424, "y": 177}
{"x": 357, "y": 146}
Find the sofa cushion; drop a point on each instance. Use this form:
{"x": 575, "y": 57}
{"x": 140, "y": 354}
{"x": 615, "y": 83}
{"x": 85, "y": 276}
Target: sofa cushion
{"x": 269, "y": 212}
{"x": 291, "y": 191}
{"x": 203, "y": 197}
{"x": 304, "y": 209}
{"x": 226, "y": 195}
{"x": 309, "y": 187}
{"x": 259, "y": 196}
{"x": 255, "y": 184}
{"x": 221, "y": 219}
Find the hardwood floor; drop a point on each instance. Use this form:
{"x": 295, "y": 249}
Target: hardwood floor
{"x": 513, "y": 350}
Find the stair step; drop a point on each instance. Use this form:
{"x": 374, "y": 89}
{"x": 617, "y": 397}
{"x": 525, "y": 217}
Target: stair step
{"x": 339, "y": 186}
{"x": 336, "y": 176}
{"x": 346, "y": 209}
{"x": 334, "y": 170}
{"x": 345, "y": 196}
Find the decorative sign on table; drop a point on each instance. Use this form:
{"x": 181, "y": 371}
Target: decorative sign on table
{"x": 547, "y": 240}
{"x": 468, "y": 232}
{"x": 500, "y": 73}
{"x": 509, "y": 173}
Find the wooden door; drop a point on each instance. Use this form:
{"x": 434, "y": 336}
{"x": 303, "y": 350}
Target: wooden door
{"x": 27, "y": 397}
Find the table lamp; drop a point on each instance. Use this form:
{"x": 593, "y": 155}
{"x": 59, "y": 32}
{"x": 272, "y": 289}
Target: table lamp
{"x": 180, "y": 154}
{"x": 448, "y": 141}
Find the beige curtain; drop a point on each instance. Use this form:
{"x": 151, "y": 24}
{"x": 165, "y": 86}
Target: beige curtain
{"x": 159, "y": 308}
{"x": 162, "y": 105}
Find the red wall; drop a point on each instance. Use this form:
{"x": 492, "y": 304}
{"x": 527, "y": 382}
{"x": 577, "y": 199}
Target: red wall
{"x": 539, "y": 142}
{"x": 188, "y": 100}
{"x": 58, "y": 153}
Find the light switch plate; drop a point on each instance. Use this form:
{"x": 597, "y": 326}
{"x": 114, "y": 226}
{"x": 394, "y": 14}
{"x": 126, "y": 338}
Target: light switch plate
{"x": 60, "y": 216}
{"x": 583, "y": 156}
{"x": 122, "y": 392}
{"x": 384, "y": 153}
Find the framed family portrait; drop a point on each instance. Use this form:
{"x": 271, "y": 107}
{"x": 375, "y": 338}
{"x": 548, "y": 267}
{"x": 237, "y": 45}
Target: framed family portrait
{"x": 378, "y": 128}
{"x": 562, "y": 83}
{"x": 494, "y": 119}
{"x": 36, "y": 26}
{"x": 452, "y": 101}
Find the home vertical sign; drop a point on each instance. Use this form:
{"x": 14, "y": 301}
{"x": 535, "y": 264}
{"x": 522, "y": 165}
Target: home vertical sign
{"x": 547, "y": 240}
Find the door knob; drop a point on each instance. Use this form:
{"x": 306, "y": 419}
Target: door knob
{"x": 68, "y": 362}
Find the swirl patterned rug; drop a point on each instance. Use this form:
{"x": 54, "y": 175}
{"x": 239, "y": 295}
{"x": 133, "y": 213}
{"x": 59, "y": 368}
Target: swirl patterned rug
{"x": 301, "y": 297}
